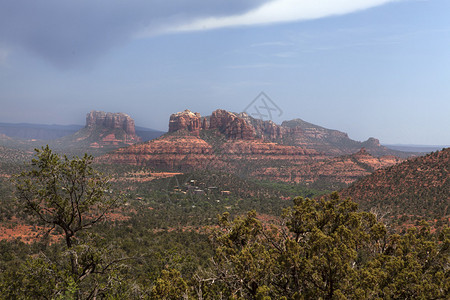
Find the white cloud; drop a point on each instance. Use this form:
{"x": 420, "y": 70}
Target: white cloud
{"x": 282, "y": 11}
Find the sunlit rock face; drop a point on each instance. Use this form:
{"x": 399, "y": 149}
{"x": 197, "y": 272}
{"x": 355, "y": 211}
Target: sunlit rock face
{"x": 231, "y": 125}
{"x": 295, "y": 151}
{"x": 185, "y": 120}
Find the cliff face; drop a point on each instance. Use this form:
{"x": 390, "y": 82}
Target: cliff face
{"x": 185, "y": 120}
{"x": 249, "y": 158}
{"x": 292, "y": 133}
{"x": 111, "y": 121}
{"x": 102, "y": 132}
{"x": 232, "y": 126}
{"x": 252, "y": 148}
{"x": 267, "y": 130}
{"x": 172, "y": 152}
{"x": 105, "y": 129}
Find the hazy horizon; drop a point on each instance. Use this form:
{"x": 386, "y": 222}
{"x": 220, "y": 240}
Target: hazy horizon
{"x": 372, "y": 68}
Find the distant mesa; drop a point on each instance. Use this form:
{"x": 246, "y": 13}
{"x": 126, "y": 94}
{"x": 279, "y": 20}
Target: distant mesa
{"x": 296, "y": 151}
{"x": 42, "y": 133}
{"x": 295, "y": 132}
{"x": 372, "y": 142}
{"x": 111, "y": 121}
{"x": 106, "y": 128}
{"x": 4, "y": 136}
{"x": 121, "y": 128}
{"x": 103, "y": 131}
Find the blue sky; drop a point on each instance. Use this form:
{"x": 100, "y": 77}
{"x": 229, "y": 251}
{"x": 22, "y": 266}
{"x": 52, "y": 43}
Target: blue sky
{"x": 371, "y": 68}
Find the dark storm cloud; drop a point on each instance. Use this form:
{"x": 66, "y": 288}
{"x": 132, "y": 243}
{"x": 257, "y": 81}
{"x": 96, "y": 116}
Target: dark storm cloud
{"x": 69, "y": 33}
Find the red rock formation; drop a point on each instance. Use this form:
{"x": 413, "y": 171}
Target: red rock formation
{"x": 111, "y": 121}
{"x": 267, "y": 130}
{"x": 371, "y": 143}
{"x": 108, "y": 129}
{"x": 185, "y": 120}
{"x": 172, "y": 152}
{"x": 252, "y": 148}
{"x": 259, "y": 149}
{"x": 205, "y": 124}
{"x": 231, "y": 125}
{"x": 270, "y": 130}
{"x": 344, "y": 169}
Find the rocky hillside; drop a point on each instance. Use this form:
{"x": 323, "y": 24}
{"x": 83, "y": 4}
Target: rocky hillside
{"x": 240, "y": 144}
{"x": 343, "y": 169}
{"x": 10, "y": 155}
{"x": 332, "y": 142}
{"x": 413, "y": 189}
{"x": 171, "y": 152}
{"x": 11, "y": 162}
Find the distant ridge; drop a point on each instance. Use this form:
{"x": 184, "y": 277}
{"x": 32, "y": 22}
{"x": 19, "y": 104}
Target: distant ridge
{"x": 331, "y": 141}
{"x": 28, "y": 131}
{"x": 47, "y": 132}
{"x": 147, "y": 134}
{"x": 416, "y": 148}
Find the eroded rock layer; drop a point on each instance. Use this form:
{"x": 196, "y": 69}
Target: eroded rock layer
{"x": 171, "y": 152}
{"x": 185, "y": 120}
{"x": 108, "y": 129}
{"x": 111, "y": 121}
{"x": 237, "y": 143}
{"x": 293, "y": 133}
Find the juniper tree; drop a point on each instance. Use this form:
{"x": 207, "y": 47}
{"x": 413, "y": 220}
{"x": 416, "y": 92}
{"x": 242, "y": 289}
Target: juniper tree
{"x": 68, "y": 196}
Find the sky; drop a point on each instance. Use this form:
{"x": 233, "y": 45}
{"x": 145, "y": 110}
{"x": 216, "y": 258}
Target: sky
{"x": 371, "y": 68}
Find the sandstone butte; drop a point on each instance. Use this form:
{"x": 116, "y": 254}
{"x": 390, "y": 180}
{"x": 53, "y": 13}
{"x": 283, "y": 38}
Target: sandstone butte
{"x": 106, "y": 129}
{"x": 230, "y": 142}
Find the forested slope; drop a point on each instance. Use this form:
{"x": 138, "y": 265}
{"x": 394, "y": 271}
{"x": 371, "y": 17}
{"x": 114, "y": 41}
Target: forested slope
{"x": 416, "y": 188}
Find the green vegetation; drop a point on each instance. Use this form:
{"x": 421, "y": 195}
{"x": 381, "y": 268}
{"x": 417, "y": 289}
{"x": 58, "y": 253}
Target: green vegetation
{"x": 325, "y": 249}
{"x": 165, "y": 242}
{"x": 70, "y": 197}
{"x": 417, "y": 189}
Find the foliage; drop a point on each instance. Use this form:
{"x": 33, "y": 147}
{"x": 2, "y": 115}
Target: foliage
{"x": 418, "y": 188}
{"x": 414, "y": 266}
{"x": 159, "y": 249}
{"x": 70, "y": 196}
{"x": 64, "y": 193}
{"x": 324, "y": 249}
{"x": 170, "y": 286}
